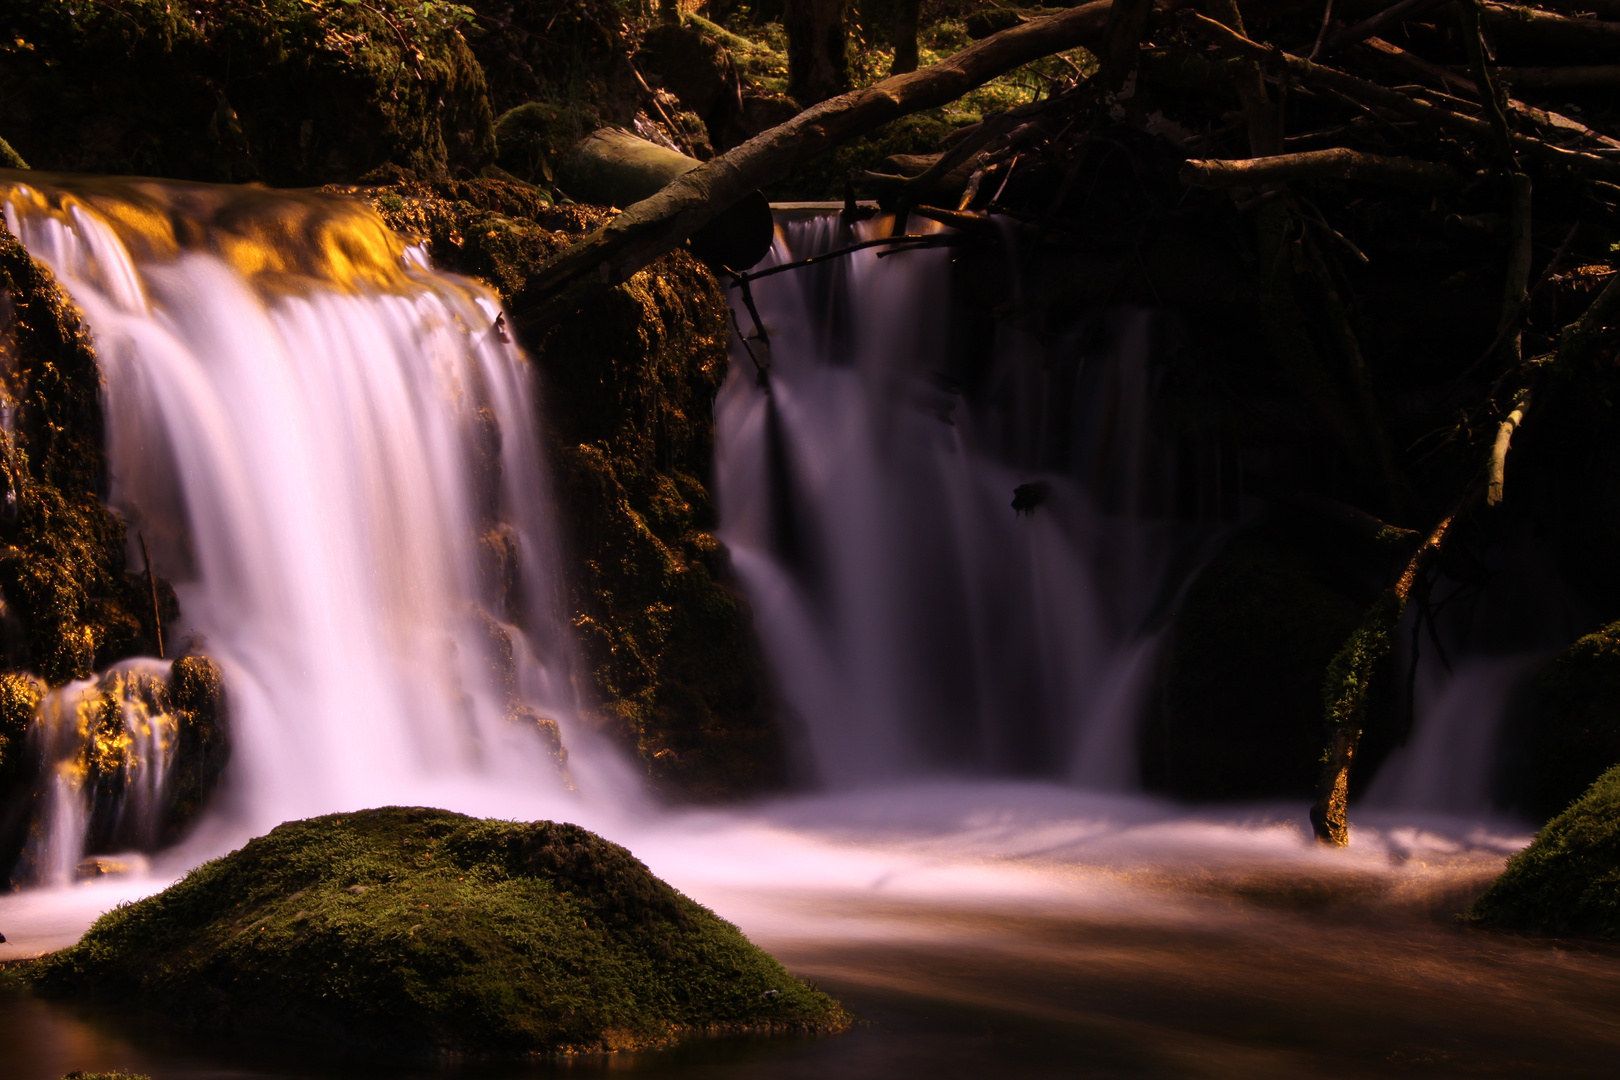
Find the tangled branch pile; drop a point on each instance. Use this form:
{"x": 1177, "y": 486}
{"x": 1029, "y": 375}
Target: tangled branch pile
{"x": 1391, "y": 228}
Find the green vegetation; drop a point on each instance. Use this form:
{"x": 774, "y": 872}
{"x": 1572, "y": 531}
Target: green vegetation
{"x": 285, "y": 91}
{"x": 426, "y": 932}
{"x": 1568, "y": 880}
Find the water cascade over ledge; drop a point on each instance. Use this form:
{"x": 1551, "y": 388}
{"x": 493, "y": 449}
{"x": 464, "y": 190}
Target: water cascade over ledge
{"x": 332, "y": 451}
{"x": 961, "y": 555}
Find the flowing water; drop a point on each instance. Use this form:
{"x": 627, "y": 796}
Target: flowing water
{"x": 333, "y": 452}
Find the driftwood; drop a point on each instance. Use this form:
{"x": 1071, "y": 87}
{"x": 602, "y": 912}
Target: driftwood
{"x": 1513, "y": 22}
{"x": 1349, "y": 678}
{"x": 1561, "y": 78}
{"x": 654, "y": 226}
{"x": 1317, "y": 165}
{"x": 1450, "y": 81}
{"x": 1372, "y": 93}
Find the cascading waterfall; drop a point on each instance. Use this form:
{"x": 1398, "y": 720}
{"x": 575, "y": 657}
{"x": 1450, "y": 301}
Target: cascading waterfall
{"x": 916, "y": 621}
{"x": 331, "y": 450}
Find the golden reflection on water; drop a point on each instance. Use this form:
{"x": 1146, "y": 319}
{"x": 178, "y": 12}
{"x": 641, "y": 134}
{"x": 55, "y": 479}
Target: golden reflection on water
{"x": 281, "y": 241}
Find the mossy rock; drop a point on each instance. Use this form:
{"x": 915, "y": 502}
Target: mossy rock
{"x": 1568, "y": 880}
{"x": 1571, "y": 732}
{"x": 534, "y": 136}
{"x": 1241, "y": 712}
{"x": 284, "y": 91}
{"x": 428, "y": 933}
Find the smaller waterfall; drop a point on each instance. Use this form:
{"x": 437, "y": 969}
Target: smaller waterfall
{"x": 106, "y": 745}
{"x": 917, "y": 621}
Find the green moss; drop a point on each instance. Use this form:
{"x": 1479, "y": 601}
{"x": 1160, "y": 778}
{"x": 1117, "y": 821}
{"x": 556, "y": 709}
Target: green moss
{"x": 425, "y": 932}
{"x": 534, "y": 136}
{"x": 1568, "y": 880}
{"x": 285, "y": 91}
{"x": 1572, "y": 732}
{"x": 9, "y": 158}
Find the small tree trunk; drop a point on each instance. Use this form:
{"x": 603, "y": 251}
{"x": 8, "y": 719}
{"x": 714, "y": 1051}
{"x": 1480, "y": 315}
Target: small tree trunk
{"x": 818, "y": 50}
{"x": 905, "y": 36}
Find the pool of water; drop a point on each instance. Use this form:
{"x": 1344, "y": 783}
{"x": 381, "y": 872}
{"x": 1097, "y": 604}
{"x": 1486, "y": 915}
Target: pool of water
{"x": 1034, "y": 933}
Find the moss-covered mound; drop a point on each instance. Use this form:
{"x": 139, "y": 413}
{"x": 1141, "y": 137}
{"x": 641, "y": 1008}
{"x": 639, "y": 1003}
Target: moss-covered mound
{"x": 427, "y": 932}
{"x": 286, "y": 91}
{"x": 1568, "y": 881}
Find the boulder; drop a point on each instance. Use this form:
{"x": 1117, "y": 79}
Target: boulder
{"x": 1568, "y": 880}
{"x": 429, "y": 933}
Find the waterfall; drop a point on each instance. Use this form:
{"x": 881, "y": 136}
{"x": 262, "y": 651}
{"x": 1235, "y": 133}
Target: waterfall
{"x": 917, "y": 622}
{"x": 332, "y": 452}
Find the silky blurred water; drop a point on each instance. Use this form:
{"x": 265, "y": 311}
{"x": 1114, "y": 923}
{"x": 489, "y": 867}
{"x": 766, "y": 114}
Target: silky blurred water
{"x": 319, "y": 463}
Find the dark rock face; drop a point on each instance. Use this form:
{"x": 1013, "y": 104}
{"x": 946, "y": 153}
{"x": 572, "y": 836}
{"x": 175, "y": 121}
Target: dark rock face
{"x": 279, "y": 91}
{"x": 1568, "y": 880}
{"x": 629, "y": 389}
{"x": 1241, "y": 711}
{"x": 1571, "y": 731}
{"x": 425, "y": 932}
{"x": 71, "y": 604}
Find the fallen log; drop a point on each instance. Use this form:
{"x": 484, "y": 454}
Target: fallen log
{"x": 1549, "y": 30}
{"x": 1337, "y": 163}
{"x": 1412, "y": 64}
{"x": 1392, "y": 15}
{"x": 654, "y": 226}
{"x": 1561, "y": 78}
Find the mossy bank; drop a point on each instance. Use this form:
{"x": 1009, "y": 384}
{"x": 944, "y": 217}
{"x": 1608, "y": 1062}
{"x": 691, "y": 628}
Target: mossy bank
{"x": 429, "y": 933}
{"x": 1568, "y": 880}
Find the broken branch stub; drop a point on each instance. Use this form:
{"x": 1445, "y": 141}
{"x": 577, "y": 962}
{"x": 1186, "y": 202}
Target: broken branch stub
{"x": 1336, "y": 163}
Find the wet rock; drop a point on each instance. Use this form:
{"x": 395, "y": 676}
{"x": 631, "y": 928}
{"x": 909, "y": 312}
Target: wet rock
{"x": 275, "y": 90}
{"x": 141, "y": 747}
{"x": 71, "y": 603}
{"x": 90, "y": 869}
{"x": 532, "y": 137}
{"x": 426, "y": 932}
